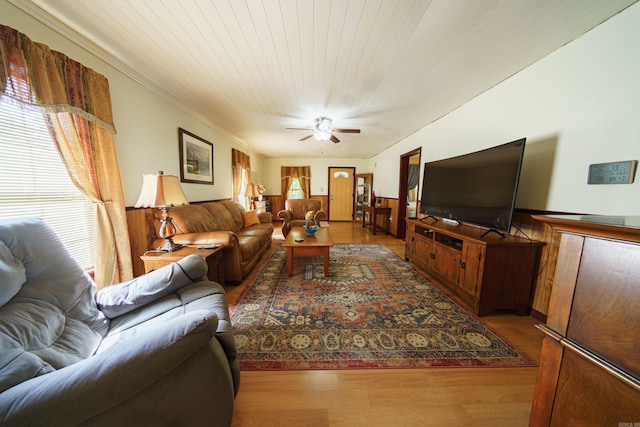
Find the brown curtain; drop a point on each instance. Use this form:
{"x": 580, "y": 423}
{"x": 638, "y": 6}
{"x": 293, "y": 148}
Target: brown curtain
{"x": 239, "y": 162}
{"x": 288, "y": 173}
{"x": 77, "y": 106}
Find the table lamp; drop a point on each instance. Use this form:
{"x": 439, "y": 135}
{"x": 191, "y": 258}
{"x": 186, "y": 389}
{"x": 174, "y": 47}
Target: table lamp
{"x": 163, "y": 192}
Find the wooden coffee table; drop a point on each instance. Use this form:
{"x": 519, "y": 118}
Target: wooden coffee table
{"x": 317, "y": 245}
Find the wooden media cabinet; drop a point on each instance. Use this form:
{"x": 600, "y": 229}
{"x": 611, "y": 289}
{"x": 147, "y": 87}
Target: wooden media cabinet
{"x": 489, "y": 272}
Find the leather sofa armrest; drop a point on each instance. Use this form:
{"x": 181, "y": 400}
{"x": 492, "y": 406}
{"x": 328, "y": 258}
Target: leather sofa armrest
{"x": 265, "y": 217}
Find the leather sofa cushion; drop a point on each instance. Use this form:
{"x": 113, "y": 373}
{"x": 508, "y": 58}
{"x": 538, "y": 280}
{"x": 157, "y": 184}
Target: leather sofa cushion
{"x": 235, "y": 210}
{"x": 191, "y": 219}
{"x": 224, "y": 219}
{"x": 249, "y": 245}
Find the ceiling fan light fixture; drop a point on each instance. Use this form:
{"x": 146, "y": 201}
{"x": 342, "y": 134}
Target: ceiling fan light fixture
{"x": 323, "y": 124}
{"x": 322, "y": 135}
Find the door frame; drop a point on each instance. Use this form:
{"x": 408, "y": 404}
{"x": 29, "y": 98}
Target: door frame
{"x": 353, "y": 176}
{"x": 402, "y": 190}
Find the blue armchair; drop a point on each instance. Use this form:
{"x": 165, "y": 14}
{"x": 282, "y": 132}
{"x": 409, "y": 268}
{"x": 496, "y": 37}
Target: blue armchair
{"x": 156, "y": 350}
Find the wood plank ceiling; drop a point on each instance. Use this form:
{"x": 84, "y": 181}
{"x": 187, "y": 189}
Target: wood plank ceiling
{"x": 255, "y": 67}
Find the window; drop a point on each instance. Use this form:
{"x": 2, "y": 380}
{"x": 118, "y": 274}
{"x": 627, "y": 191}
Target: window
{"x": 295, "y": 190}
{"x": 244, "y": 195}
{"x": 35, "y": 182}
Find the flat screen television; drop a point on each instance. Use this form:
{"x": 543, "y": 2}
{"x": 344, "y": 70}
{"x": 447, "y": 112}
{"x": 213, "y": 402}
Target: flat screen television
{"x": 478, "y": 188}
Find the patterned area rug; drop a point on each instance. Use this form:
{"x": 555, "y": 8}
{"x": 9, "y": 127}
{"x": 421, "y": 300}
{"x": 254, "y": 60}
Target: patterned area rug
{"x": 374, "y": 311}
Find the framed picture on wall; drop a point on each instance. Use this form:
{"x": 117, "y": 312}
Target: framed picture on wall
{"x": 378, "y": 202}
{"x": 196, "y": 158}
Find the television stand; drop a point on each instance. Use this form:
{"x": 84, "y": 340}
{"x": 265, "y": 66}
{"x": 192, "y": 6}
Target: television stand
{"x": 487, "y": 272}
{"x": 493, "y": 230}
{"x": 427, "y": 217}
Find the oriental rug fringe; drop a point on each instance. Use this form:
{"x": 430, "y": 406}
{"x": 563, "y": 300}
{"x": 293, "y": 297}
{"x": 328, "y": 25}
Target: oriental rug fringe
{"x": 374, "y": 311}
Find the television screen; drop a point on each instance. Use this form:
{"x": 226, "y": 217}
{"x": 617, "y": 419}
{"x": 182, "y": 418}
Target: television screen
{"x": 478, "y": 188}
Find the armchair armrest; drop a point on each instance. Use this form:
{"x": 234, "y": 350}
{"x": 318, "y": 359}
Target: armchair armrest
{"x": 116, "y": 300}
{"x": 285, "y": 215}
{"x": 319, "y": 214}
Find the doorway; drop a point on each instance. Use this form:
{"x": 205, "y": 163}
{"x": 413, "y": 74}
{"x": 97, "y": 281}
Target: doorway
{"x": 408, "y": 189}
{"x": 341, "y": 193}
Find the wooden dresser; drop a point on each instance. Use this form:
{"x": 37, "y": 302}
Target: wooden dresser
{"x": 589, "y": 372}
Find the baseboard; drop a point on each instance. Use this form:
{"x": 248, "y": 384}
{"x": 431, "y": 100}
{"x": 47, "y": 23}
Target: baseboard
{"x": 538, "y": 315}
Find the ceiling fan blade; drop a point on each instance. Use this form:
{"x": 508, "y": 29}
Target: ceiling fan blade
{"x": 306, "y": 137}
{"x": 347, "y": 130}
{"x": 334, "y": 139}
{"x": 300, "y": 128}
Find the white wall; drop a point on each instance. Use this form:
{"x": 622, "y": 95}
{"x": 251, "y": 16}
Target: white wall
{"x": 319, "y": 171}
{"x": 147, "y": 125}
{"x": 578, "y": 106}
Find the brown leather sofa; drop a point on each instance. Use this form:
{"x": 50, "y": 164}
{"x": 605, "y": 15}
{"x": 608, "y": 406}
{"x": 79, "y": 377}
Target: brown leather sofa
{"x": 223, "y": 223}
{"x": 295, "y": 211}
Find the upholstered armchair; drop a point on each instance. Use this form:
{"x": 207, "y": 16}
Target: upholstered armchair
{"x": 155, "y": 350}
{"x": 295, "y": 213}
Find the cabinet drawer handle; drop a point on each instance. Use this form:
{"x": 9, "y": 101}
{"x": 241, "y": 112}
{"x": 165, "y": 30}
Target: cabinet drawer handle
{"x": 432, "y": 255}
{"x": 611, "y": 369}
{"x": 591, "y": 358}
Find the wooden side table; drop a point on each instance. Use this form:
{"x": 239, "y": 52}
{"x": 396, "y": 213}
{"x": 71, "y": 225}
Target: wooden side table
{"x": 372, "y": 213}
{"x": 154, "y": 260}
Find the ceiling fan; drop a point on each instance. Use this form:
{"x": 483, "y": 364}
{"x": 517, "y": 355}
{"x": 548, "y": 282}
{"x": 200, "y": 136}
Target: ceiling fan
{"x": 322, "y": 130}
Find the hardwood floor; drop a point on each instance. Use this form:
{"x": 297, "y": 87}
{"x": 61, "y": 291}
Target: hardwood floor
{"x": 393, "y": 397}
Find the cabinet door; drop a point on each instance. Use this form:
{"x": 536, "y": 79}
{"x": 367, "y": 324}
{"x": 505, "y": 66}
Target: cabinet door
{"x": 471, "y": 268}
{"x": 409, "y": 241}
{"x": 424, "y": 250}
{"x": 447, "y": 262}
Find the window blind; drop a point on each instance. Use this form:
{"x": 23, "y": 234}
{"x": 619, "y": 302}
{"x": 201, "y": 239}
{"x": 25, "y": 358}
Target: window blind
{"x": 34, "y": 182}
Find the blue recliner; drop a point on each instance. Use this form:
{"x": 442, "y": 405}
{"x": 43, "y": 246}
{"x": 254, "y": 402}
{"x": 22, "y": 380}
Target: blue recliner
{"x": 156, "y": 350}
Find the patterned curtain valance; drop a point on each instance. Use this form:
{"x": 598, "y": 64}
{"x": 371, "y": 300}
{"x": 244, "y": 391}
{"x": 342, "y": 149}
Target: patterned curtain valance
{"x": 287, "y": 172}
{"x": 37, "y": 77}
{"x": 287, "y": 175}
{"x": 238, "y": 158}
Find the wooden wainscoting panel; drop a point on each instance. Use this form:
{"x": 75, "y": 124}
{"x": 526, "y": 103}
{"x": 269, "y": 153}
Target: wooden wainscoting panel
{"x": 527, "y": 227}
{"x": 393, "y": 223}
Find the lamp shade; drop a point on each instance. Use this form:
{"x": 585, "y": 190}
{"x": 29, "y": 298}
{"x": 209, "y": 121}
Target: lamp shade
{"x": 160, "y": 191}
{"x": 251, "y": 190}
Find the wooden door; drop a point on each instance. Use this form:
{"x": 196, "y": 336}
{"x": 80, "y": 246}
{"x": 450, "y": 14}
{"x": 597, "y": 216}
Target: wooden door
{"x": 341, "y": 193}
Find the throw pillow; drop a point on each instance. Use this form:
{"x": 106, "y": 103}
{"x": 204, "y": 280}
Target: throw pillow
{"x": 12, "y": 274}
{"x": 308, "y": 215}
{"x": 250, "y": 218}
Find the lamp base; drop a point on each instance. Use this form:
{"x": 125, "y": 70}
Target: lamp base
{"x": 169, "y": 245}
